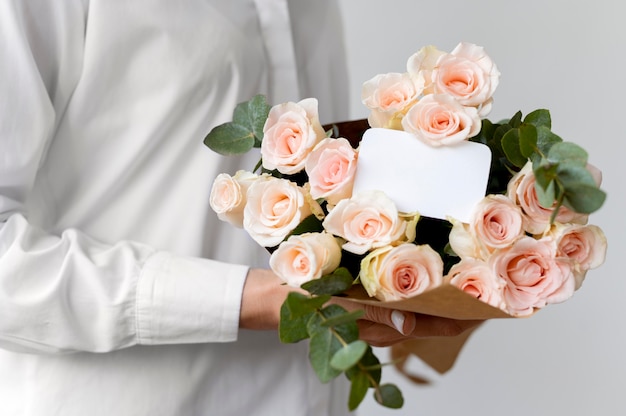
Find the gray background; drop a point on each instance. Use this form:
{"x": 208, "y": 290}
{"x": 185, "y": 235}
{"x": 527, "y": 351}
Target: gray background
{"x": 569, "y": 57}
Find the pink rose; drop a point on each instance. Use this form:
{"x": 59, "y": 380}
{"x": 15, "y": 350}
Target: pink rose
{"x": 440, "y": 120}
{"x": 367, "y": 220}
{"x": 389, "y": 96}
{"x": 468, "y": 75}
{"x": 392, "y": 273}
{"x": 228, "y": 196}
{"x": 290, "y": 133}
{"x": 476, "y": 278}
{"x": 495, "y": 223}
{"x": 521, "y": 189}
{"x": 533, "y": 275}
{"x": 584, "y": 246}
{"x": 274, "y": 208}
{"x": 305, "y": 257}
{"x": 331, "y": 167}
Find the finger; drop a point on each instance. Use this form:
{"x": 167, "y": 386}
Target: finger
{"x": 379, "y": 335}
{"x": 403, "y": 322}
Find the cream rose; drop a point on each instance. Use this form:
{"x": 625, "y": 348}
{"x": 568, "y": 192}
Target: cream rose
{"x": 290, "y": 133}
{"x": 422, "y": 63}
{"x": 228, "y": 196}
{"x": 533, "y": 275}
{"x": 584, "y": 246}
{"x": 440, "y": 120}
{"x": 521, "y": 189}
{"x": 331, "y": 167}
{"x": 392, "y": 273}
{"x": 274, "y": 208}
{"x": 388, "y": 96}
{"x": 367, "y": 220}
{"x": 476, "y": 278}
{"x": 469, "y": 75}
{"x": 305, "y": 257}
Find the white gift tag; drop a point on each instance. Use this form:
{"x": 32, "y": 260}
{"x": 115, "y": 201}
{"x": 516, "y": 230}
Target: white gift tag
{"x": 435, "y": 181}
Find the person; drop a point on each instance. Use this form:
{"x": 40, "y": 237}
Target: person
{"x": 120, "y": 291}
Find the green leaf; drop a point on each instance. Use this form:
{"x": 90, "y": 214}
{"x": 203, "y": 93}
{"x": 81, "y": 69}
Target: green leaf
{"x": 349, "y": 355}
{"x": 568, "y": 152}
{"x": 252, "y": 115}
{"x": 516, "y": 120}
{"x": 322, "y": 347}
{"x": 389, "y": 395}
{"x": 338, "y": 281}
{"x": 292, "y": 329}
{"x": 539, "y": 118}
{"x": 546, "y": 195}
{"x": 584, "y": 198}
{"x": 310, "y": 224}
{"x": 546, "y": 139}
{"x": 230, "y": 139}
{"x": 571, "y": 173}
{"x": 527, "y": 140}
{"x": 325, "y": 341}
{"x": 544, "y": 171}
{"x": 500, "y": 131}
{"x": 369, "y": 363}
{"x": 511, "y": 147}
{"x": 299, "y": 304}
{"x": 358, "y": 389}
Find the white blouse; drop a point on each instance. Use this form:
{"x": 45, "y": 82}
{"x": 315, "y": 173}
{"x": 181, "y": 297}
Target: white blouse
{"x": 108, "y": 302}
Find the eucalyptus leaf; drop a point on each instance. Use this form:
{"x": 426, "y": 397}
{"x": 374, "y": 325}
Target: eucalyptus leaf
{"x": 571, "y": 173}
{"x": 337, "y": 282}
{"x": 358, "y": 389}
{"x": 527, "y": 139}
{"x": 230, "y": 139}
{"x": 310, "y": 224}
{"x": 511, "y": 147}
{"x": 544, "y": 171}
{"x": 322, "y": 347}
{"x": 516, "y": 120}
{"x": 252, "y": 115}
{"x": 499, "y": 133}
{"x": 546, "y": 195}
{"x": 292, "y": 329}
{"x": 584, "y": 198}
{"x": 369, "y": 363}
{"x": 349, "y": 355}
{"x": 299, "y": 304}
{"x": 389, "y": 395}
{"x": 568, "y": 152}
{"x": 348, "y": 331}
{"x": 325, "y": 341}
{"x": 539, "y": 118}
{"x": 546, "y": 139}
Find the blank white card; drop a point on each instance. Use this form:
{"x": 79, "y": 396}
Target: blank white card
{"x": 438, "y": 182}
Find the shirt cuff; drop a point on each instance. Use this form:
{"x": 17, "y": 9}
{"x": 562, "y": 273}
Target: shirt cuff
{"x": 183, "y": 300}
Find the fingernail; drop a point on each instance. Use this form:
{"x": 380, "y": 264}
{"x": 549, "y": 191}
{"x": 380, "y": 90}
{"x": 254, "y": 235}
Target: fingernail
{"x": 397, "y": 318}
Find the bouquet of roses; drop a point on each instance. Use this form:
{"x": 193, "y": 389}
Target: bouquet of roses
{"x": 364, "y": 216}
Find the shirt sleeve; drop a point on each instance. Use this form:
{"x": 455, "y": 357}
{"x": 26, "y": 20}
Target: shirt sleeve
{"x": 68, "y": 292}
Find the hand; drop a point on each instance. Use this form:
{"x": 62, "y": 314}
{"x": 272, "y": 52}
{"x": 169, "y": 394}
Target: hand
{"x": 382, "y": 327}
{"x": 264, "y": 294}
